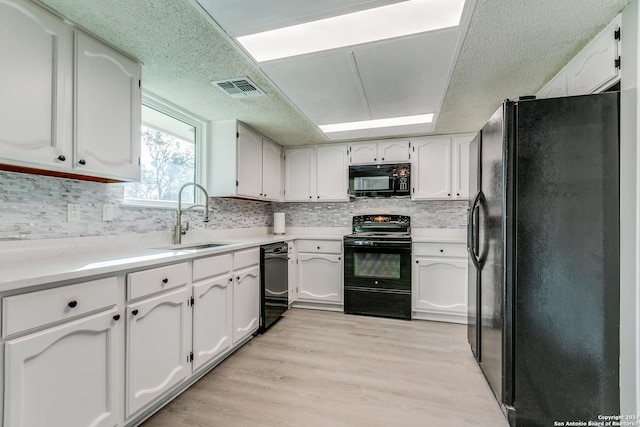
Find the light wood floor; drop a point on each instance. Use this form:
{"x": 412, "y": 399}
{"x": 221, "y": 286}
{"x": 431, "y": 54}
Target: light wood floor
{"x": 316, "y": 368}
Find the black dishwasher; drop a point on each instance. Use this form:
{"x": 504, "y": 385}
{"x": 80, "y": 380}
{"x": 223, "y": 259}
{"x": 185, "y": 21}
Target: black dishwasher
{"x": 274, "y": 283}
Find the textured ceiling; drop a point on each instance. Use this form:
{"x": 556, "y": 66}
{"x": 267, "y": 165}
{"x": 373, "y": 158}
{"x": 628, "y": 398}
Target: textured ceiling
{"x": 512, "y": 48}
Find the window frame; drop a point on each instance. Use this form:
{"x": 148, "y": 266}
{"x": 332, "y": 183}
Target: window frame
{"x": 202, "y": 129}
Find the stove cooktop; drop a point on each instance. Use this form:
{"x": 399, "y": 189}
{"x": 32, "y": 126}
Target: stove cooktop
{"x": 381, "y": 226}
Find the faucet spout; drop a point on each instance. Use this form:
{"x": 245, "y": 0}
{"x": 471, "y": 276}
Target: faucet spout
{"x": 179, "y": 230}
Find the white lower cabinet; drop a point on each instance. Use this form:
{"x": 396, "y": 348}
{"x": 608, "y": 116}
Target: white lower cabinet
{"x": 293, "y": 272}
{"x": 439, "y": 282}
{"x": 320, "y": 271}
{"x": 107, "y": 352}
{"x": 158, "y": 343}
{"x": 246, "y": 303}
{"x": 64, "y": 376}
{"x": 212, "y": 318}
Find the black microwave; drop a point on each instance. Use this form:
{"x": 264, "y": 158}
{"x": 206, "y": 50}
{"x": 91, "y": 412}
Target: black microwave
{"x": 384, "y": 180}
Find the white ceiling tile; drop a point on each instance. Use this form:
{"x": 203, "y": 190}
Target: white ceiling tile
{"x": 323, "y": 86}
{"x": 408, "y": 76}
{"x": 406, "y": 130}
{"x": 253, "y": 16}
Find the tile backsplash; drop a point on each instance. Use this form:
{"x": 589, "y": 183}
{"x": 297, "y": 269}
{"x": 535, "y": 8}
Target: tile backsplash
{"x": 35, "y": 207}
{"x": 425, "y": 214}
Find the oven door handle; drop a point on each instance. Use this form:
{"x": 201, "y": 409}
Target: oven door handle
{"x": 380, "y": 245}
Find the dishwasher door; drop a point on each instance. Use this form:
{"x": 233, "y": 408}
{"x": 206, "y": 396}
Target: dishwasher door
{"x": 274, "y": 283}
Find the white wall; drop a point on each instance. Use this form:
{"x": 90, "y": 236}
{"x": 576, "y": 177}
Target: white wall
{"x": 629, "y": 214}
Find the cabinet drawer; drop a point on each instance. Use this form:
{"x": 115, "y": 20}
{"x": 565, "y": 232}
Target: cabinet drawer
{"x": 440, "y": 249}
{"x": 246, "y": 258}
{"x": 27, "y": 311}
{"x": 320, "y": 246}
{"x": 156, "y": 280}
{"x": 213, "y": 266}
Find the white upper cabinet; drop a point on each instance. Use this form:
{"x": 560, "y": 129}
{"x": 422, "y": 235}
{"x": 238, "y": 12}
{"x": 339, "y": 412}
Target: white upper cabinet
{"x": 332, "y": 167}
{"x": 299, "y": 175}
{"x": 317, "y": 173}
{"x": 440, "y": 167}
{"x": 593, "y": 69}
{"x": 393, "y": 151}
{"x": 271, "y": 170}
{"x": 460, "y": 179}
{"x": 249, "y": 163}
{"x": 35, "y": 87}
{"x": 43, "y": 95}
{"x": 556, "y": 87}
{"x": 107, "y": 113}
{"x": 363, "y": 153}
{"x": 379, "y": 151}
{"x": 244, "y": 163}
{"x": 431, "y": 171}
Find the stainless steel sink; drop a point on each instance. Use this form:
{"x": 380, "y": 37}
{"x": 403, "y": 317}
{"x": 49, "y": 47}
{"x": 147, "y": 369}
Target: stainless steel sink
{"x": 195, "y": 247}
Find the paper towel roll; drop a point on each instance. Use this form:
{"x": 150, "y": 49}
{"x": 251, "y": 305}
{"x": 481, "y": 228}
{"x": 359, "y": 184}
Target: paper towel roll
{"x": 278, "y": 223}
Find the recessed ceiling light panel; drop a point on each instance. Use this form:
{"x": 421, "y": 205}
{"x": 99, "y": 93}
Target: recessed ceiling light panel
{"x": 379, "y": 123}
{"x": 395, "y": 20}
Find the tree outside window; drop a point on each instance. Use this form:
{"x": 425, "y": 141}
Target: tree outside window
{"x": 168, "y": 159}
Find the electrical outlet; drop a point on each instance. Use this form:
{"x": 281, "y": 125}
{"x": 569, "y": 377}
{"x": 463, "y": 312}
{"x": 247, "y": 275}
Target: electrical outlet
{"x": 107, "y": 212}
{"x": 314, "y": 216}
{"x": 73, "y": 212}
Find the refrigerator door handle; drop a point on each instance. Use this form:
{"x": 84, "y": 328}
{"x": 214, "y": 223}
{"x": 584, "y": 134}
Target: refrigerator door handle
{"x": 481, "y": 256}
{"x": 472, "y": 231}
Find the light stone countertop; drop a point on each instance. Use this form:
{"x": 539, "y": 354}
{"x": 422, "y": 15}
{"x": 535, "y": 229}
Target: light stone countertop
{"x": 30, "y": 263}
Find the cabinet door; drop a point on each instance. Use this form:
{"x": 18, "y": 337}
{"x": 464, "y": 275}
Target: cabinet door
{"x": 593, "y": 68}
{"x": 431, "y": 172}
{"x": 249, "y": 163}
{"x": 556, "y": 87}
{"x": 246, "y": 303}
{"x": 393, "y": 151}
{"x": 293, "y": 272}
{"x": 461, "y": 166}
{"x": 332, "y": 173}
{"x": 271, "y": 170}
{"x": 35, "y": 87}
{"x": 107, "y": 112}
{"x": 157, "y": 347}
{"x": 64, "y": 376}
{"x": 320, "y": 277}
{"x": 212, "y": 318}
{"x": 299, "y": 170}
{"x": 441, "y": 286}
{"x": 363, "y": 153}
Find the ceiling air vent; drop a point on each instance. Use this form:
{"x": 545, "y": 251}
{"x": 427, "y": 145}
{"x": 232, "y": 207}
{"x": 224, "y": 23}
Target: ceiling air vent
{"x": 241, "y": 87}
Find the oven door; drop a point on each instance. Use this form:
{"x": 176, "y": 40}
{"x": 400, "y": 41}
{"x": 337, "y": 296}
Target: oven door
{"x": 377, "y": 279}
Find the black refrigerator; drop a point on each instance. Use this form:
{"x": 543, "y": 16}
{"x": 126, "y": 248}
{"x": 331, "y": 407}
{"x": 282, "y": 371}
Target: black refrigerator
{"x": 543, "y": 242}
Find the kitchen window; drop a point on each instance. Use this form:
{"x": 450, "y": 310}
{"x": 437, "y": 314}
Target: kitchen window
{"x": 171, "y": 154}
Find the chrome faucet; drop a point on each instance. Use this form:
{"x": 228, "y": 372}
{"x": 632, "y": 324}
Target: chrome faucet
{"x": 179, "y": 230}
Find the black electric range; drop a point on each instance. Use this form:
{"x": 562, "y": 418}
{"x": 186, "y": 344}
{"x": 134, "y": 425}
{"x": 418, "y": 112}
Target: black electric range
{"x": 377, "y": 267}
